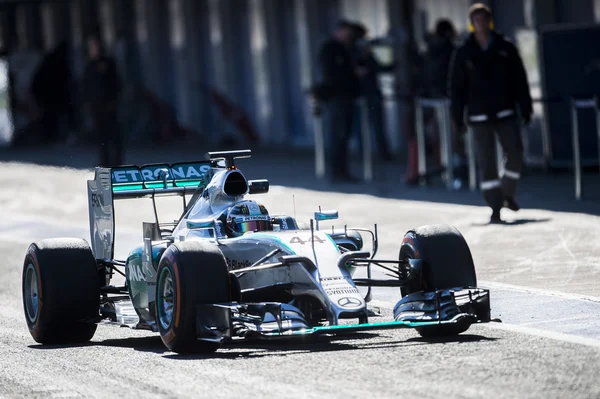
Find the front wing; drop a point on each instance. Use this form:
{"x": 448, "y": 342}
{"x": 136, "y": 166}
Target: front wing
{"x": 221, "y": 322}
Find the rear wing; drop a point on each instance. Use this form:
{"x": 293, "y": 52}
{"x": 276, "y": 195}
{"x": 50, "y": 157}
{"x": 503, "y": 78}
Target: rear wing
{"x": 127, "y": 182}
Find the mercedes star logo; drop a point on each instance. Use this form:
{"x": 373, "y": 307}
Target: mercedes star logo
{"x": 348, "y": 302}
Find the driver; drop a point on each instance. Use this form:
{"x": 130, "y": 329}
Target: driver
{"x": 247, "y": 216}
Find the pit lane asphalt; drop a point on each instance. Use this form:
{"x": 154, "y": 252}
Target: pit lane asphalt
{"x": 548, "y": 346}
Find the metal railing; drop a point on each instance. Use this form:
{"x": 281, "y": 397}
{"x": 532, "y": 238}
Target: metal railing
{"x": 472, "y": 160}
{"x": 576, "y": 105}
{"x": 442, "y": 110}
{"x": 441, "y": 107}
{"x": 320, "y": 152}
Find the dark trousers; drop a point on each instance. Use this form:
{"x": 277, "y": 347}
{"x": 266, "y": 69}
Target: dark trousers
{"x": 341, "y": 118}
{"x": 496, "y": 187}
{"x": 374, "y": 104}
{"x": 108, "y": 136}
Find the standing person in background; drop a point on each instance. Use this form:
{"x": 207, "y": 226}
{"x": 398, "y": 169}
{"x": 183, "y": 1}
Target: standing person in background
{"x": 101, "y": 87}
{"x": 342, "y": 86}
{"x": 51, "y": 87}
{"x": 440, "y": 48}
{"x": 368, "y": 70}
{"x": 488, "y": 78}
{"x": 436, "y": 64}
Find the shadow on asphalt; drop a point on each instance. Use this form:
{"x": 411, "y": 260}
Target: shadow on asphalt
{"x": 462, "y": 338}
{"x": 516, "y": 222}
{"x": 143, "y": 344}
{"x": 241, "y": 349}
{"x": 553, "y": 192}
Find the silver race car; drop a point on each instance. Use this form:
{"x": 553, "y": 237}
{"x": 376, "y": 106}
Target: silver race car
{"x": 227, "y": 269}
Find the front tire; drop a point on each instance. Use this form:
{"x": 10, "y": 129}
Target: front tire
{"x": 189, "y": 274}
{"x": 447, "y": 263}
{"x": 61, "y": 292}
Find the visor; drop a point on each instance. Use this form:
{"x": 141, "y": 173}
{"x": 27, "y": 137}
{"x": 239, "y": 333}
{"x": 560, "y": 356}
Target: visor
{"x": 253, "y": 225}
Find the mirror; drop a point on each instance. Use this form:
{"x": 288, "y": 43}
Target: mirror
{"x": 201, "y": 224}
{"x": 326, "y": 215}
{"x": 258, "y": 186}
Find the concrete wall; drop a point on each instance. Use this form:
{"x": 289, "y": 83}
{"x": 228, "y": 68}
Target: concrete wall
{"x": 260, "y": 53}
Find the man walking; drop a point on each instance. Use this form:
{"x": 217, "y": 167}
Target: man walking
{"x": 488, "y": 78}
{"x": 341, "y": 81}
{"x": 101, "y": 88}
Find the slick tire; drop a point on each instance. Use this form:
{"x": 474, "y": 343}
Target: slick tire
{"x": 61, "y": 291}
{"x": 447, "y": 263}
{"x": 189, "y": 274}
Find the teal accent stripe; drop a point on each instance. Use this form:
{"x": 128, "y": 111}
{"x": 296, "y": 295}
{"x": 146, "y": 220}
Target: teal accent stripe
{"x": 158, "y": 185}
{"x": 275, "y": 238}
{"x": 128, "y": 187}
{"x": 359, "y": 327}
{"x": 149, "y": 186}
{"x": 332, "y": 242}
{"x": 187, "y": 183}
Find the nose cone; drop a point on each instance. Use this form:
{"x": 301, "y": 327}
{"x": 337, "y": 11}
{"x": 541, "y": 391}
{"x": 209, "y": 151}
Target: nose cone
{"x": 346, "y": 302}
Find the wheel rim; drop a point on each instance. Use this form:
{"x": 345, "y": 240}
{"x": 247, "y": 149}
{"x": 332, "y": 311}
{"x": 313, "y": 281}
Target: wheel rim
{"x": 32, "y": 299}
{"x": 413, "y": 287}
{"x": 166, "y": 298}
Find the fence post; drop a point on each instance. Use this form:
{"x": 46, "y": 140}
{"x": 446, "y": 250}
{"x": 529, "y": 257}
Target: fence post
{"x": 472, "y": 162}
{"x": 597, "y": 109}
{"x": 420, "y": 132}
{"x": 447, "y": 150}
{"x": 319, "y": 143}
{"x": 576, "y": 154}
{"x": 367, "y": 154}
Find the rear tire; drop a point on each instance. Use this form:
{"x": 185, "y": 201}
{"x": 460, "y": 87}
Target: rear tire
{"x": 189, "y": 274}
{"x": 61, "y": 292}
{"x": 447, "y": 263}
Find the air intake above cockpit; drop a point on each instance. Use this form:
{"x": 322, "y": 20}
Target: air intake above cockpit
{"x": 235, "y": 184}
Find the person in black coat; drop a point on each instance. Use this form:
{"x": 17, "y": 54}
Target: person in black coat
{"x": 440, "y": 48}
{"x": 51, "y": 85}
{"x": 340, "y": 81}
{"x": 487, "y": 77}
{"x": 368, "y": 70}
{"x": 101, "y": 88}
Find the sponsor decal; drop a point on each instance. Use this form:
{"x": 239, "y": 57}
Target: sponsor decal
{"x": 192, "y": 171}
{"x": 306, "y": 240}
{"x": 134, "y": 273}
{"x": 341, "y": 291}
{"x": 349, "y": 302}
{"x": 235, "y": 264}
{"x": 336, "y": 286}
{"x": 96, "y": 200}
{"x": 251, "y": 218}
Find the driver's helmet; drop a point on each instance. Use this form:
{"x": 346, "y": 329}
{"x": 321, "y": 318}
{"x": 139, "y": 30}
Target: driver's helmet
{"x": 247, "y": 216}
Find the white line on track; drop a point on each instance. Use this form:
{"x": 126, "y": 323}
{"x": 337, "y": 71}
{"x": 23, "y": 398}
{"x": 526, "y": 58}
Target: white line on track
{"x": 539, "y": 291}
{"x": 574, "y": 339}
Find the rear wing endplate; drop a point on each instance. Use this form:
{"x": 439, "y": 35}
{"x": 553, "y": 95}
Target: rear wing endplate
{"x": 126, "y": 182}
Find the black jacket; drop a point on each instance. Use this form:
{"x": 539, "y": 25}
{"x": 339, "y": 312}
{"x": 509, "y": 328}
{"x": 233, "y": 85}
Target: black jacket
{"x": 490, "y": 83}
{"x": 337, "y": 67}
{"x": 437, "y": 64}
{"x": 101, "y": 85}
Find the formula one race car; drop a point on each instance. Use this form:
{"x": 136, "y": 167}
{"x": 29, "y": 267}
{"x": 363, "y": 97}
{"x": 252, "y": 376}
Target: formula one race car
{"x": 227, "y": 269}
